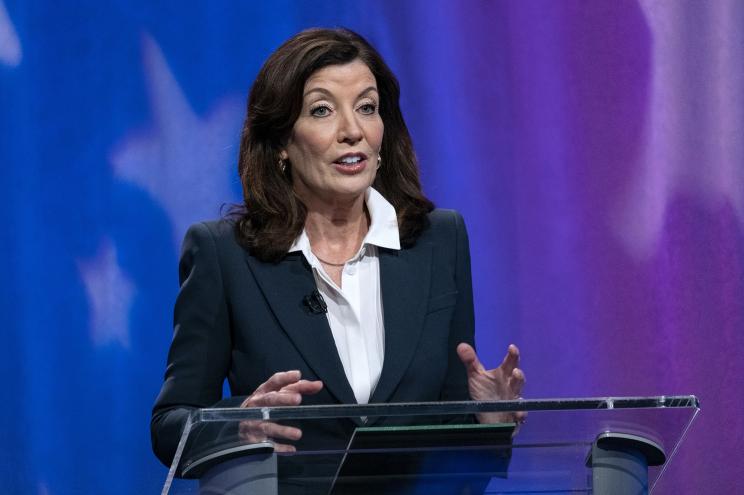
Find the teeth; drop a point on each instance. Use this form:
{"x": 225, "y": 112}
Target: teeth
{"x": 351, "y": 159}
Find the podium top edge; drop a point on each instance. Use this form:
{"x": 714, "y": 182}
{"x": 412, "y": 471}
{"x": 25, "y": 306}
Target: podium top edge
{"x": 446, "y": 408}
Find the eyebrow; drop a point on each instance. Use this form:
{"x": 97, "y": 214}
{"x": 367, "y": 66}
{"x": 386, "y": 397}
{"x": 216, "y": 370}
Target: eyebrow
{"x": 328, "y": 93}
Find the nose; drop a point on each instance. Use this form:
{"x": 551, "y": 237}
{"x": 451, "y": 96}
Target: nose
{"x": 349, "y": 130}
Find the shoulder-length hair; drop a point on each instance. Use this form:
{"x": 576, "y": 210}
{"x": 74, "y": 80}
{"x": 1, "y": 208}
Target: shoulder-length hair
{"x": 272, "y": 216}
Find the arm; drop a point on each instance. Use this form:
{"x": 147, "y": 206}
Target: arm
{"x": 467, "y": 378}
{"x": 502, "y": 383}
{"x": 463, "y": 319}
{"x": 199, "y": 355}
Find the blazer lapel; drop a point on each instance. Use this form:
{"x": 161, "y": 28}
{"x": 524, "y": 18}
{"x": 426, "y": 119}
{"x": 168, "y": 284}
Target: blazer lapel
{"x": 404, "y": 280}
{"x": 285, "y": 286}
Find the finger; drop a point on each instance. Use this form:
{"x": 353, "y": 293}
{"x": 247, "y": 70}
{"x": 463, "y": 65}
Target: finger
{"x": 273, "y": 399}
{"x": 250, "y": 438}
{"x": 251, "y": 431}
{"x": 279, "y": 380}
{"x": 283, "y": 448}
{"x": 278, "y": 399}
{"x": 275, "y": 430}
{"x": 518, "y": 423}
{"x": 494, "y": 418}
{"x": 511, "y": 360}
{"x": 469, "y": 358}
{"x": 247, "y": 425}
{"x": 304, "y": 387}
{"x": 516, "y": 382}
{"x": 278, "y": 447}
{"x": 255, "y": 431}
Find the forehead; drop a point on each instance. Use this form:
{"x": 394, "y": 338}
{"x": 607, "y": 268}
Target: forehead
{"x": 339, "y": 77}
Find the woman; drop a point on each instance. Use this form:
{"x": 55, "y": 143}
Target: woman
{"x": 337, "y": 282}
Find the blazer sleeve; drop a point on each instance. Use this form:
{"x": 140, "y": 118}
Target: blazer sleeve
{"x": 463, "y": 319}
{"x": 199, "y": 354}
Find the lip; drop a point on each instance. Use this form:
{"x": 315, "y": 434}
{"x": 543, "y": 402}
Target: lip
{"x": 351, "y": 169}
{"x": 347, "y": 155}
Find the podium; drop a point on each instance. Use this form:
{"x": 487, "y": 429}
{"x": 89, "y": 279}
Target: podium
{"x": 605, "y": 445}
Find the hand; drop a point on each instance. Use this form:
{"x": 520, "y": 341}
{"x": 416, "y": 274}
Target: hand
{"x": 282, "y": 389}
{"x": 502, "y": 383}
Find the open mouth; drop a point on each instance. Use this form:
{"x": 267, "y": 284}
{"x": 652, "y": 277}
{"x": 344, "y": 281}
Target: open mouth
{"x": 351, "y": 163}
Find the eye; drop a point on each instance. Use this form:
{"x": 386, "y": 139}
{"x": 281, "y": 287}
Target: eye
{"x": 368, "y": 108}
{"x": 320, "y": 111}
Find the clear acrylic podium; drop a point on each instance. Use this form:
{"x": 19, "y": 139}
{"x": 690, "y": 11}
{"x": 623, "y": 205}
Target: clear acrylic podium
{"x": 609, "y": 445}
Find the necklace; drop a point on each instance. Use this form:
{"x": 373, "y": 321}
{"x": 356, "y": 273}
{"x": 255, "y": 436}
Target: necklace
{"x": 328, "y": 262}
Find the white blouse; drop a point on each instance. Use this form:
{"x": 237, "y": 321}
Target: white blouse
{"x": 355, "y": 312}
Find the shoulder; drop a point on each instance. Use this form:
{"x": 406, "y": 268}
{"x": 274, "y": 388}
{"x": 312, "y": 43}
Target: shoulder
{"x": 211, "y": 247}
{"x": 217, "y": 231}
{"x": 214, "y": 236}
{"x": 439, "y": 216}
{"x": 221, "y": 229}
{"x": 443, "y": 222}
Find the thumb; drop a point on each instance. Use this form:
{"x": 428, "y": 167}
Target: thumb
{"x": 469, "y": 358}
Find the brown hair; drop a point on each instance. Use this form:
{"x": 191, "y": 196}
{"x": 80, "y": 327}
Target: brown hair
{"x": 272, "y": 216}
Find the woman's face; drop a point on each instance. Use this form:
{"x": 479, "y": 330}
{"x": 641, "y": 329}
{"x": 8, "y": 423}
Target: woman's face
{"x": 335, "y": 142}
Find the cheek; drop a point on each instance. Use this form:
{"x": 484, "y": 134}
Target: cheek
{"x": 310, "y": 142}
{"x": 375, "y": 135}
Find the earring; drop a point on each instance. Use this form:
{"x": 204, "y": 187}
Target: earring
{"x": 282, "y": 165}
{"x": 379, "y": 161}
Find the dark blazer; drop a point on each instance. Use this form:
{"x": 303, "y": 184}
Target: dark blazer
{"x": 241, "y": 319}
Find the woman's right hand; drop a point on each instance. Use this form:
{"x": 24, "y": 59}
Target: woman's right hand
{"x": 285, "y": 388}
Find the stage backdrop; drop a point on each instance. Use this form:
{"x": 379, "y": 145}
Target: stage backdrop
{"x": 594, "y": 148}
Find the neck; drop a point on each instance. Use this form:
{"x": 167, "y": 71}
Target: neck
{"x": 336, "y": 228}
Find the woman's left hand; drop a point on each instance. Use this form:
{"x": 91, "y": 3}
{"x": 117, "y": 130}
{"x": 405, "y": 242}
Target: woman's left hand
{"x": 502, "y": 383}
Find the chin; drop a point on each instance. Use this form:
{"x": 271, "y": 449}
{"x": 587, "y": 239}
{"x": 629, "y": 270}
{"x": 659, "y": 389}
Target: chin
{"x": 350, "y": 188}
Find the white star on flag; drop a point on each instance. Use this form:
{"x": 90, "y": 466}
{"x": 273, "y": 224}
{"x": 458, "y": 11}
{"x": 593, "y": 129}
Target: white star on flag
{"x": 186, "y": 163}
{"x": 694, "y": 145}
{"x": 110, "y": 294}
{"x": 10, "y": 45}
